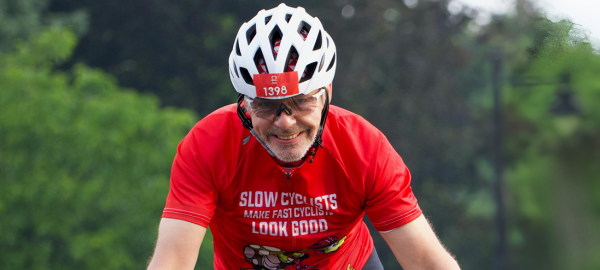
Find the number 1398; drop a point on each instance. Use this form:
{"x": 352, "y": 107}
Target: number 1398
{"x": 275, "y": 91}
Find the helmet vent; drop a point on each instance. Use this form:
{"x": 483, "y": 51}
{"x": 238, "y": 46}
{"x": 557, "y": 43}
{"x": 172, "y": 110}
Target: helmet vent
{"x": 259, "y": 60}
{"x": 304, "y": 26}
{"x": 275, "y": 37}
{"x": 310, "y": 70}
{"x": 235, "y": 69}
{"x": 319, "y": 42}
{"x": 332, "y": 62}
{"x": 321, "y": 64}
{"x": 237, "y": 48}
{"x": 251, "y": 33}
{"x": 246, "y": 76}
{"x": 326, "y": 38}
{"x": 268, "y": 19}
{"x": 291, "y": 60}
{"x": 288, "y": 17}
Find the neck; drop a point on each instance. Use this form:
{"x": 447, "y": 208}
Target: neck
{"x": 288, "y": 164}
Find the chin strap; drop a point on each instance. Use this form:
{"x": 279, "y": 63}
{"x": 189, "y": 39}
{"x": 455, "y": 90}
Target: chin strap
{"x": 318, "y": 139}
{"x": 266, "y": 146}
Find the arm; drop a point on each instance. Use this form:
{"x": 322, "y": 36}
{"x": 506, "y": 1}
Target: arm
{"x": 416, "y": 247}
{"x": 177, "y": 245}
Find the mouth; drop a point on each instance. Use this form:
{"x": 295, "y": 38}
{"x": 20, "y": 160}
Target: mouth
{"x": 289, "y": 137}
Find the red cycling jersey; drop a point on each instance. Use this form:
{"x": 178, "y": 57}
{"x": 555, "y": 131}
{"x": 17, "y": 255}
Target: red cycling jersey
{"x": 260, "y": 218}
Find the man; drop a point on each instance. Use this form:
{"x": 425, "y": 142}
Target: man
{"x": 251, "y": 170}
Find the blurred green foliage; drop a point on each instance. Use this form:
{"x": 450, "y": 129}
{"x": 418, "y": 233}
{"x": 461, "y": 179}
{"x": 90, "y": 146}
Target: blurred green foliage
{"x": 554, "y": 175}
{"x": 84, "y": 164}
{"x": 20, "y": 19}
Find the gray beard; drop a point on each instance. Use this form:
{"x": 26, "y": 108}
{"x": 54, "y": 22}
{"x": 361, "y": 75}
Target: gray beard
{"x": 289, "y": 158}
{"x": 281, "y": 156}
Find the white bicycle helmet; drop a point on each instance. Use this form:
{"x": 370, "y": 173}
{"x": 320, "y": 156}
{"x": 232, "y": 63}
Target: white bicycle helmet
{"x": 280, "y": 53}
{"x": 280, "y": 42}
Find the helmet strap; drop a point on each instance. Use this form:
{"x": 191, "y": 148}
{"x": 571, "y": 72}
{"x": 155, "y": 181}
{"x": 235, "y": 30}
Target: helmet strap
{"x": 318, "y": 139}
{"x": 241, "y": 111}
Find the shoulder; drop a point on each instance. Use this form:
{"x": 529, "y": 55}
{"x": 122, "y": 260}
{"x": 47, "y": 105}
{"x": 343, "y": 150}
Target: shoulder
{"x": 220, "y": 117}
{"x": 351, "y": 138}
{"x": 220, "y": 134}
{"x": 221, "y": 125}
{"x": 347, "y": 127}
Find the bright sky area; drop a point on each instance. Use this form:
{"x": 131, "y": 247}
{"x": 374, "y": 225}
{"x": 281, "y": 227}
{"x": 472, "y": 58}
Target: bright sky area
{"x": 582, "y": 12}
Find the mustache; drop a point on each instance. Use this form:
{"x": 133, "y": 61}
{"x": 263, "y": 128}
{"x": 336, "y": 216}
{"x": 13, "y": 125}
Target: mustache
{"x": 294, "y": 129}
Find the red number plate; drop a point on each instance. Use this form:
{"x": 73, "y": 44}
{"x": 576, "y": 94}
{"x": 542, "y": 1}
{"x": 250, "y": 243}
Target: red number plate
{"x": 276, "y": 85}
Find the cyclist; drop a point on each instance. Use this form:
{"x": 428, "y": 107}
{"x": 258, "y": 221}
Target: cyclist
{"x": 252, "y": 173}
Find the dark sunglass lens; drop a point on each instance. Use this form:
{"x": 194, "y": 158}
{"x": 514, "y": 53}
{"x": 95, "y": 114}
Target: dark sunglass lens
{"x": 299, "y": 106}
{"x": 305, "y": 104}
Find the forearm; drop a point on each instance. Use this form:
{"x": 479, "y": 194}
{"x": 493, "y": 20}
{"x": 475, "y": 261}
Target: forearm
{"x": 416, "y": 247}
{"x": 442, "y": 260}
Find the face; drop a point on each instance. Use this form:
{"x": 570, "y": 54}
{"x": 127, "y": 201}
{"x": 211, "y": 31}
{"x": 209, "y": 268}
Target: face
{"x": 289, "y": 136}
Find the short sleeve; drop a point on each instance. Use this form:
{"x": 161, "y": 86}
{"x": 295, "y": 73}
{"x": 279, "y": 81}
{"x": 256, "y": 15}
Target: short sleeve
{"x": 192, "y": 195}
{"x": 390, "y": 202}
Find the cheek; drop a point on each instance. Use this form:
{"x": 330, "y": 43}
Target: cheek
{"x": 260, "y": 124}
{"x": 313, "y": 120}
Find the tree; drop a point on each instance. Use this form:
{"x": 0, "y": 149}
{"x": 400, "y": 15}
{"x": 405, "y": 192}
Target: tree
{"x": 553, "y": 176}
{"x": 84, "y": 163}
{"x": 19, "y": 19}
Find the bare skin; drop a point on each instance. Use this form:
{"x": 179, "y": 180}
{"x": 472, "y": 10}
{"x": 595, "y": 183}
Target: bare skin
{"x": 177, "y": 246}
{"x": 416, "y": 247}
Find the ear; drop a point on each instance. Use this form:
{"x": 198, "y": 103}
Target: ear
{"x": 329, "y": 91}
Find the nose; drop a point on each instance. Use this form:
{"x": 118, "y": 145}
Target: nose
{"x": 284, "y": 121}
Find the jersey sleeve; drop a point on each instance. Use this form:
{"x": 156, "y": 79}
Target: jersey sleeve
{"x": 192, "y": 195}
{"x": 390, "y": 202}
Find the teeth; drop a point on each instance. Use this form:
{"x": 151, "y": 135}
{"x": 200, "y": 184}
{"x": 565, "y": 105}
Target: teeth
{"x": 287, "y": 138}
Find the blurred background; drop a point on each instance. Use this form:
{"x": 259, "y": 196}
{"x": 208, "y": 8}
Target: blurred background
{"x": 496, "y": 112}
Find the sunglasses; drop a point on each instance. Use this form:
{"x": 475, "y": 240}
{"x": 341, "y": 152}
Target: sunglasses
{"x": 297, "y": 106}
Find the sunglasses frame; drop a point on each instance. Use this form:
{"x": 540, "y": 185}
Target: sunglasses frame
{"x": 249, "y": 101}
